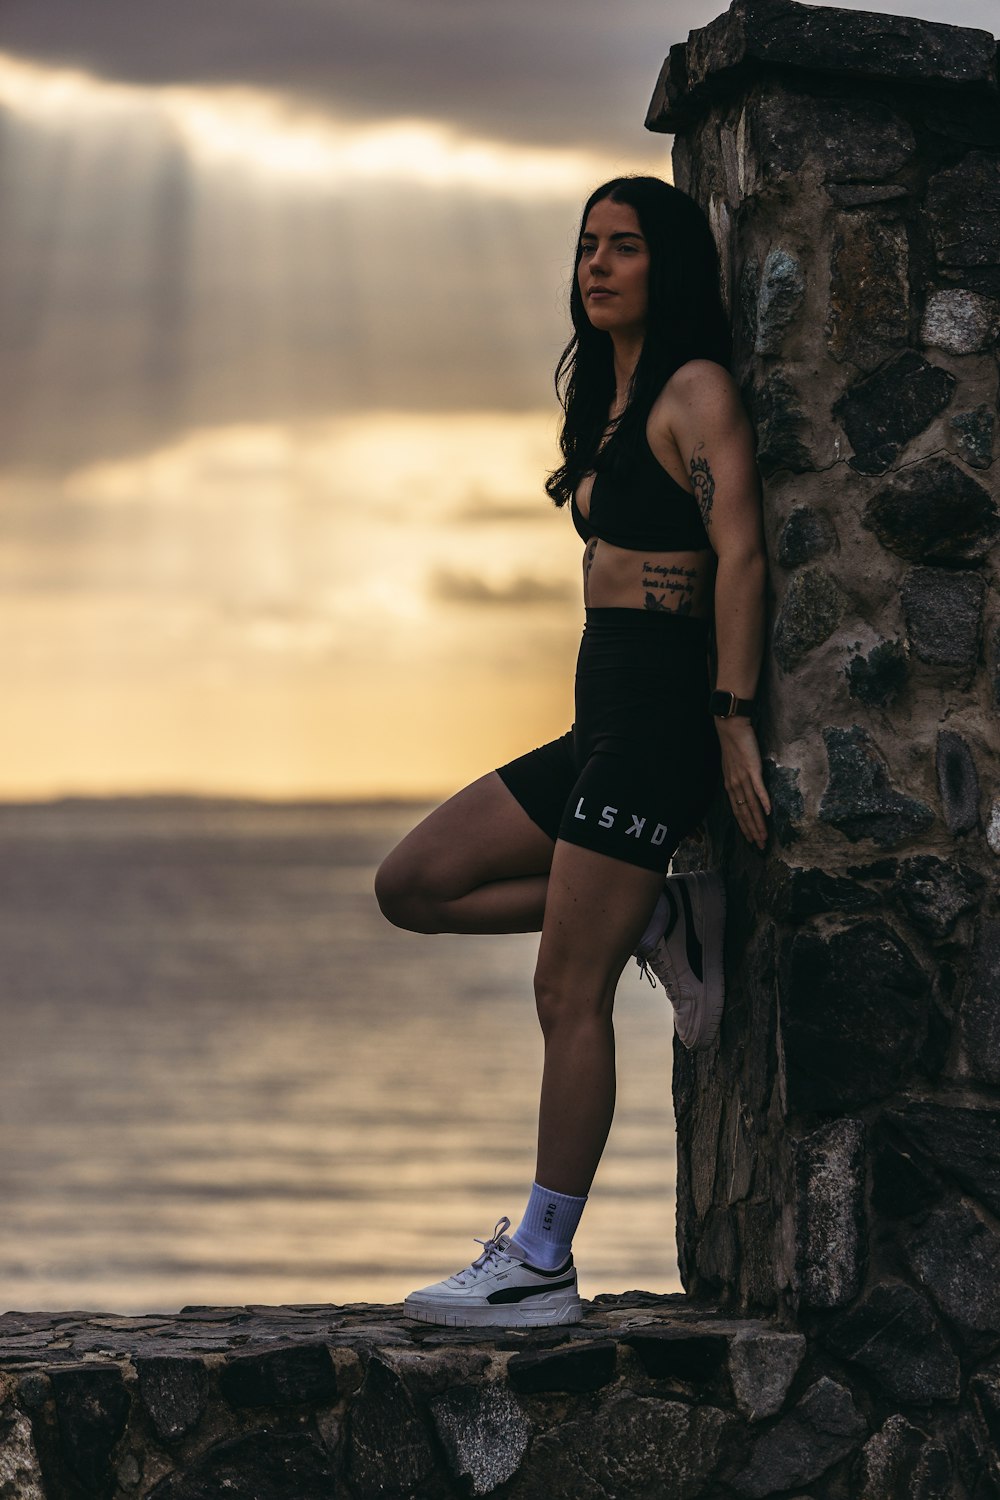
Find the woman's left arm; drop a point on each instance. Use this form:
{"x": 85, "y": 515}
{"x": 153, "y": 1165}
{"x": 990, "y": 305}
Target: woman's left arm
{"x": 711, "y": 428}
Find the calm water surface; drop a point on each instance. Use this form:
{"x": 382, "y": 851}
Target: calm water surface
{"x": 226, "y": 1079}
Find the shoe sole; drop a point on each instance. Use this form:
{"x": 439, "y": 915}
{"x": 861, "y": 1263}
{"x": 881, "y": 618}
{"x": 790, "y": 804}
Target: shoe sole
{"x": 555, "y": 1313}
{"x": 712, "y": 892}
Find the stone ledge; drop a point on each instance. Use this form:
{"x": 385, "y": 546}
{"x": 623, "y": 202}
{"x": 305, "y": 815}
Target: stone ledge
{"x": 858, "y": 45}
{"x": 357, "y": 1401}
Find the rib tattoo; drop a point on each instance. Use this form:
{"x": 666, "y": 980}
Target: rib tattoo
{"x": 588, "y": 563}
{"x": 668, "y": 588}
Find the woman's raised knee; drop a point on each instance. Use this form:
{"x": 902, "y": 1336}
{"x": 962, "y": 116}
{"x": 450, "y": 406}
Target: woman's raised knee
{"x": 401, "y": 896}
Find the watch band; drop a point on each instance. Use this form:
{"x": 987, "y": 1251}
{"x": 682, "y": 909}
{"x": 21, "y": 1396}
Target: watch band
{"x": 727, "y": 706}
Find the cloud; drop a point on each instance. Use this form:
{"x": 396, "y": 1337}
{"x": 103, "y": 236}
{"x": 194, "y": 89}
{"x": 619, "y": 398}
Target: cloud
{"x": 472, "y": 588}
{"x": 566, "y": 73}
{"x": 569, "y": 72}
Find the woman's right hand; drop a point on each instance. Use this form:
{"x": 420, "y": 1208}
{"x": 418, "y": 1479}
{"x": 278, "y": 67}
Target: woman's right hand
{"x": 743, "y": 778}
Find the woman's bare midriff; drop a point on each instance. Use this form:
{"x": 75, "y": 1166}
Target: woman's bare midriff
{"x": 679, "y": 583}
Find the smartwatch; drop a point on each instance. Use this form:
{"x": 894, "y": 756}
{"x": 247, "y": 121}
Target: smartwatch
{"x": 727, "y": 705}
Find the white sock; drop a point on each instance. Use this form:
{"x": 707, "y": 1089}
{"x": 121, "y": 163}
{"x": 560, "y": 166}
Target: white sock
{"x": 545, "y": 1234}
{"x": 657, "y": 924}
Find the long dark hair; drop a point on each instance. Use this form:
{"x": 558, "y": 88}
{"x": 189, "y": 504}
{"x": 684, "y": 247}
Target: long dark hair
{"x": 685, "y": 320}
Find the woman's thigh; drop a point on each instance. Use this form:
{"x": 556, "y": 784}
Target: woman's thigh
{"x": 596, "y": 910}
{"x": 479, "y": 835}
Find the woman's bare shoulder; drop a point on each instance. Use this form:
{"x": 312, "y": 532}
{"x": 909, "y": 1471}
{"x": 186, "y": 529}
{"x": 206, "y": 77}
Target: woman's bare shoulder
{"x": 699, "y": 389}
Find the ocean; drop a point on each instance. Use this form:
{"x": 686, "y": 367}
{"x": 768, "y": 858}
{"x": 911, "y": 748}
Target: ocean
{"x": 228, "y": 1080}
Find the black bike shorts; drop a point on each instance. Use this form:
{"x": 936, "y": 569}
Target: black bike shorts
{"x": 638, "y": 769}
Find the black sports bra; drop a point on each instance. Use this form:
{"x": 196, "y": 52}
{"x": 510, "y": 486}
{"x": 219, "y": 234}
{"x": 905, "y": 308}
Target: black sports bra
{"x": 645, "y": 511}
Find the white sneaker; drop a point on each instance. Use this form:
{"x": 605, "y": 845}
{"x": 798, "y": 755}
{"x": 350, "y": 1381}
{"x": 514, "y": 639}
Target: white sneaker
{"x": 499, "y": 1290}
{"x": 687, "y": 959}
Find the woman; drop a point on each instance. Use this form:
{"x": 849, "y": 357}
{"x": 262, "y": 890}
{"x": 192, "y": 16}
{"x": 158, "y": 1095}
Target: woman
{"x": 574, "y": 839}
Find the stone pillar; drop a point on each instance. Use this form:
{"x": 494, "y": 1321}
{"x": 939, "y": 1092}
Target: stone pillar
{"x": 839, "y": 1156}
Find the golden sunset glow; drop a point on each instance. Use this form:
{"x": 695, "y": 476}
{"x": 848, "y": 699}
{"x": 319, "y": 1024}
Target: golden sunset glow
{"x": 386, "y": 601}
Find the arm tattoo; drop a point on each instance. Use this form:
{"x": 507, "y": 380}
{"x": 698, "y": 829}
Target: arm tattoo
{"x": 666, "y": 588}
{"x": 704, "y": 485}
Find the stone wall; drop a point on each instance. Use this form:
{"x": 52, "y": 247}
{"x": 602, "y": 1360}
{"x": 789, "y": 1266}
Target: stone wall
{"x": 839, "y": 1157}
{"x": 650, "y": 1396}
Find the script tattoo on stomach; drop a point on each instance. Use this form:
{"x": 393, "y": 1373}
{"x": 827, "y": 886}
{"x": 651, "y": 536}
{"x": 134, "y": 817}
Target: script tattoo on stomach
{"x": 704, "y": 484}
{"x": 668, "y": 588}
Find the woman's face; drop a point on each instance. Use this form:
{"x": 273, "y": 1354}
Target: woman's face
{"x": 613, "y": 269}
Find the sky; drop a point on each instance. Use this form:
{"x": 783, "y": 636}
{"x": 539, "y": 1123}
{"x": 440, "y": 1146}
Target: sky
{"x": 283, "y": 287}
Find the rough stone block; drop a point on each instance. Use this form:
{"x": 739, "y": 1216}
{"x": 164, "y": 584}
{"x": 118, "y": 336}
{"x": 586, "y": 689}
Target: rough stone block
{"x": 779, "y": 298}
{"x": 484, "y": 1433}
{"x": 830, "y": 1213}
{"x": 853, "y": 1008}
{"x": 807, "y": 893}
{"x": 974, "y": 435}
{"x": 841, "y": 139}
{"x": 787, "y": 805}
{"x": 935, "y": 894}
{"x": 389, "y": 1449}
{"x": 258, "y": 1466}
{"x": 173, "y": 1391}
{"x": 779, "y": 422}
{"x": 869, "y": 291}
{"x": 762, "y": 1366}
{"x": 810, "y": 612}
{"x": 960, "y": 321}
{"x": 963, "y": 1142}
{"x": 807, "y": 534}
{"x": 878, "y": 678}
{"x": 933, "y": 512}
{"x": 679, "y": 1354}
{"x": 634, "y": 1445}
{"x": 979, "y": 1012}
{"x": 582, "y": 1367}
{"x": 984, "y": 1388}
{"x": 826, "y": 39}
{"x": 963, "y": 210}
{"x": 899, "y": 1462}
{"x": 958, "y": 782}
{"x": 894, "y": 1335}
{"x": 822, "y": 1429}
{"x": 20, "y": 1475}
{"x": 943, "y": 612}
{"x": 92, "y": 1407}
{"x": 34, "y": 1390}
{"x": 881, "y": 413}
{"x": 903, "y": 1182}
{"x": 860, "y": 799}
{"x": 956, "y": 1257}
{"x": 955, "y": 1254}
{"x": 861, "y": 194}
{"x": 993, "y": 826}
{"x": 280, "y": 1377}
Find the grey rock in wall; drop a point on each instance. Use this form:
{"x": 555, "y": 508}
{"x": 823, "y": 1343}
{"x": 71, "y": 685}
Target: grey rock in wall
{"x": 869, "y": 291}
{"x": 893, "y": 1333}
{"x": 960, "y": 321}
{"x": 943, "y": 612}
{"x": 881, "y": 413}
{"x": 860, "y": 799}
{"x": 934, "y": 513}
{"x": 810, "y": 612}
